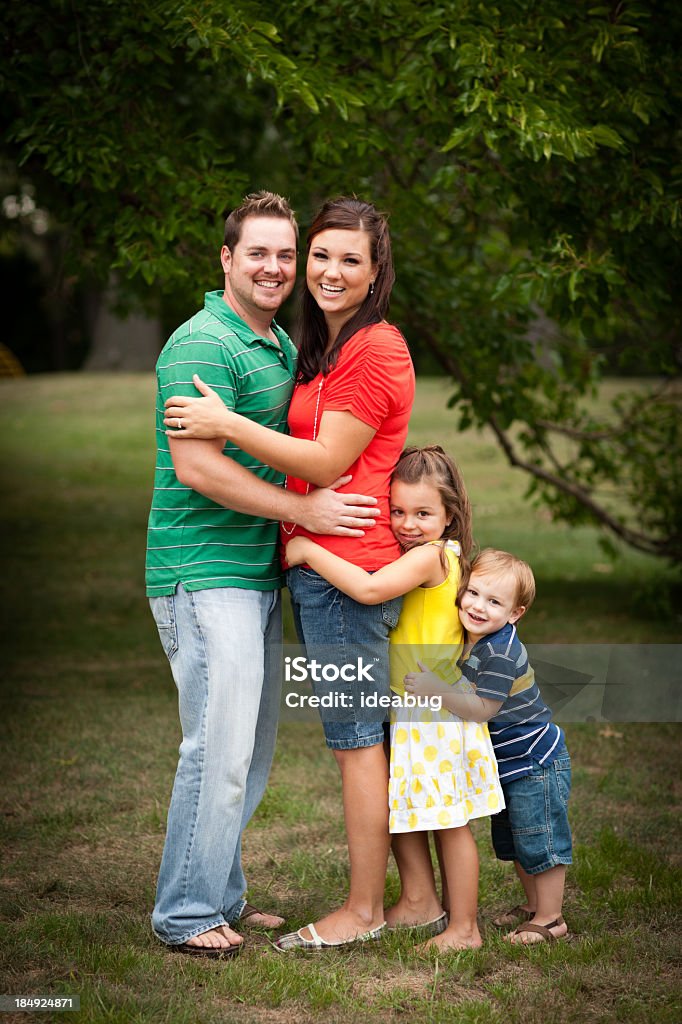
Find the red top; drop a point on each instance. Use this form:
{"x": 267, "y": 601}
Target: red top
{"x": 374, "y": 380}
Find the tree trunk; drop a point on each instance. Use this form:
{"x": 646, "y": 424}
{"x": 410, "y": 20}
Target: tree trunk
{"x": 129, "y": 343}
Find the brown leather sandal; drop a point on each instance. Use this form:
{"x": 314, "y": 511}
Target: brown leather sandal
{"x": 251, "y": 911}
{"x": 514, "y": 915}
{"x": 541, "y": 929}
{"x": 208, "y": 952}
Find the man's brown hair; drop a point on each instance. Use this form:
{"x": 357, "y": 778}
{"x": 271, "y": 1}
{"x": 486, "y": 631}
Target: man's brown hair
{"x": 257, "y": 204}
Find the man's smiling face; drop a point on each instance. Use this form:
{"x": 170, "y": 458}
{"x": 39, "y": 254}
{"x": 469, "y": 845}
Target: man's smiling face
{"x": 260, "y": 271}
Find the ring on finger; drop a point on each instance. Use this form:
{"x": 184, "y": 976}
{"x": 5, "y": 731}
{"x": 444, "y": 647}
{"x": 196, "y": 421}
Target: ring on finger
{"x": 179, "y": 423}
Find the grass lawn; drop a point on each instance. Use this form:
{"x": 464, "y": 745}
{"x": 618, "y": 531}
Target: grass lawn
{"x": 90, "y": 739}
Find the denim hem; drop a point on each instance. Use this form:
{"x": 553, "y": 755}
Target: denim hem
{"x": 555, "y": 863}
{"x": 357, "y": 744}
{"x": 218, "y": 923}
{"x": 233, "y": 920}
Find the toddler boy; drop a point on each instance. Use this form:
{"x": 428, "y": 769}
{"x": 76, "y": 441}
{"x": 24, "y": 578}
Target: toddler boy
{"x": 534, "y": 765}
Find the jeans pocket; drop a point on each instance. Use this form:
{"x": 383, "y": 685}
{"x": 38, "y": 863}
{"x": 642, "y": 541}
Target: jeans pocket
{"x": 526, "y": 800}
{"x": 390, "y": 611}
{"x": 163, "y": 610}
{"x": 563, "y": 779}
{"x": 311, "y": 577}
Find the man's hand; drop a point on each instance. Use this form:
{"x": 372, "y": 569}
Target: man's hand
{"x": 342, "y": 515}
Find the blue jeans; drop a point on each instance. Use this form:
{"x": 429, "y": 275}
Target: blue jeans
{"x": 533, "y": 828}
{"x": 224, "y": 648}
{"x": 338, "y": 631}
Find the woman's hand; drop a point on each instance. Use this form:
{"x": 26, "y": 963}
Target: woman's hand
{"x": 205, "y": 417}
{"x": 296, "y": 551}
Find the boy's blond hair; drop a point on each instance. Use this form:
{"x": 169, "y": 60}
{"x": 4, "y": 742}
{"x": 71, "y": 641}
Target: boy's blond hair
{"x": 492, "y": 561}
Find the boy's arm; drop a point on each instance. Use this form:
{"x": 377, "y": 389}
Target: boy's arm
{"x": 467, "y": 706}
{"x": 415, "y": 567}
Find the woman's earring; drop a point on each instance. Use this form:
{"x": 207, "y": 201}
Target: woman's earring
{"x": 371, "y": 287}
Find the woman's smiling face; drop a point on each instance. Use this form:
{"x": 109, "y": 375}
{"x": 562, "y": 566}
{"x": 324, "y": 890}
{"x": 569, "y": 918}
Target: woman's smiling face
{"x": 339, "y": 272}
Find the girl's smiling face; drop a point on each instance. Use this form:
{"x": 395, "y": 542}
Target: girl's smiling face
{"x": 489, "y": 603}
{"x": 418, "y": 514}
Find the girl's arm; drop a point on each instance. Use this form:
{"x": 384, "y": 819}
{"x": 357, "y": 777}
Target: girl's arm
{"x": 467, "y": 706}
{"x": 341, "y": 437}
{"x": 418, "y": 566}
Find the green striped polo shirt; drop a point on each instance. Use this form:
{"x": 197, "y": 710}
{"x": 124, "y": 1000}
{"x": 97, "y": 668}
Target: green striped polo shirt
{"x": 191, "y": 539}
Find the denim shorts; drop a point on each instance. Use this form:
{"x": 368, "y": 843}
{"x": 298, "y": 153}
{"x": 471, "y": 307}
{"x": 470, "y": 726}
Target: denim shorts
{"x": 533, "y": 829}
{"x": 345, "y": 637}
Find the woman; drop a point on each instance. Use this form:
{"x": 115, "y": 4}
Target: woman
{"x": 348, "y": 415}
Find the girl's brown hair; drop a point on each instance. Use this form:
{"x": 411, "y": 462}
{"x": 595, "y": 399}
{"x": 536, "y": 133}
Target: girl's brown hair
{"x": 433, "y": 464}
{"x": 345, "y": 214}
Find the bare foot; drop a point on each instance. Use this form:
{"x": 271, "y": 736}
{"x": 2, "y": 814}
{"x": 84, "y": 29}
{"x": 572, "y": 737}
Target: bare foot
{"x": 526, "y": 936}
{"x": 410, "y": 915}
{"x": 453, "y": 939}
{"x": 343, "y": 925}
{"x": 216, "y": 938}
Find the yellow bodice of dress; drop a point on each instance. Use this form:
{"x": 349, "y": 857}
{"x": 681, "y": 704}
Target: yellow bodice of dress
{"x": 429, "y": 629}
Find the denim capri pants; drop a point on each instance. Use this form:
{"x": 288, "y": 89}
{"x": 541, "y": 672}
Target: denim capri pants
{"x": 349, "y": 642}
{"x": 533, "y": 828}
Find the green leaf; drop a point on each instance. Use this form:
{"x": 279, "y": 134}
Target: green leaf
{"x": 606, "y": 136}
{"x": 266, "y": 29}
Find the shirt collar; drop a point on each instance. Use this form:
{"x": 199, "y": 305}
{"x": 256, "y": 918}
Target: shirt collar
{"x": 502, "y": 634}
{"x": 215, "y": 304}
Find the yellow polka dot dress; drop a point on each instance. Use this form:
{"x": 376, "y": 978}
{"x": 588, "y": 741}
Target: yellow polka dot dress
{"x": 443, "y": 771}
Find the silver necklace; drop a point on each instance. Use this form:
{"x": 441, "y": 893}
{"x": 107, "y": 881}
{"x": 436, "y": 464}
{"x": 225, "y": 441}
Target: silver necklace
{"x": 285, "y": 529}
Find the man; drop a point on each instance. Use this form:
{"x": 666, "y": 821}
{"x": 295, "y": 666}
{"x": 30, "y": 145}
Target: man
{"x": 213, "y": 577}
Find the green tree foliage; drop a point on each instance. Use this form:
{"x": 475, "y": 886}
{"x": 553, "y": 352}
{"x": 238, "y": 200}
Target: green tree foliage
{"x": 529, "y": 154}
{"x": 136, "y": 121}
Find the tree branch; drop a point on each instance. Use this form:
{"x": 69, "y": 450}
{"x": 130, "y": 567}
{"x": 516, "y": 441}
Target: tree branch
{"x": 636, "y": 539}
{"x": 641, "y": 541}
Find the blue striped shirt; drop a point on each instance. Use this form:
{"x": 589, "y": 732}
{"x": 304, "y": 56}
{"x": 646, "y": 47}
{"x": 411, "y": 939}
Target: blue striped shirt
{"x": 522, "y": 731}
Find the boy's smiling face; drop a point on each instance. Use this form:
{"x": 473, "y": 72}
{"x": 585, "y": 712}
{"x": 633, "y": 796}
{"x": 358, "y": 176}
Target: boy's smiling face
{"x": 489, "y": 603}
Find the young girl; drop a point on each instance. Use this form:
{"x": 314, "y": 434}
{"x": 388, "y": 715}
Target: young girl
{"x": 443, "y": 770}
